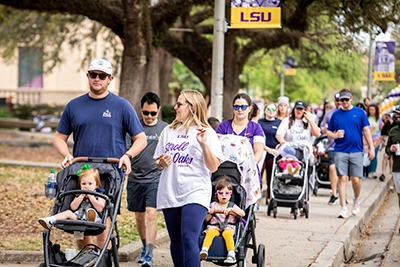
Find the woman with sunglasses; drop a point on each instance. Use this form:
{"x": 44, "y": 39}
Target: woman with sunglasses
{"x": 187, "y": 151}
{"x": 269, "y": 125}
{"x": 241, "y": 125}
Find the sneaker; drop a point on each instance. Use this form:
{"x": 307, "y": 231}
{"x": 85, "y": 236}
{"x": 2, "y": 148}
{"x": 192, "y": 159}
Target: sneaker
{"x": 140, "y": 259}
{"x": 148, "y": 261}
{"x": 296, "y": 170}
{"x": 230, "y": 259}
{"x": 203, "y": 253}
{"x": 91, "y": 215}
{"x": 332, "y": 200}
{"x": 356, "y": 207}
{"x": 343, "y": 213}
{"x": 45, "y": 222}
{"x": 382, "y": 178}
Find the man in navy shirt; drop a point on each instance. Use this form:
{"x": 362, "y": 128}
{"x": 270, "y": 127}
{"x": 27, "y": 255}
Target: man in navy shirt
{"x": 99, "y": 121}
{"x": 347, "y": 126}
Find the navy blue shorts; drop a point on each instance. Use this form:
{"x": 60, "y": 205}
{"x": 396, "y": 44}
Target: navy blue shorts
{"x": 331, "y": 157}
{"x": 141, "y": 195}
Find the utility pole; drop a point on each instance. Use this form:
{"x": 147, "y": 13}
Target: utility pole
{"x": 282, "y": 80}
{"x": 371, "y": 43}
{"x": 217, "y": 74}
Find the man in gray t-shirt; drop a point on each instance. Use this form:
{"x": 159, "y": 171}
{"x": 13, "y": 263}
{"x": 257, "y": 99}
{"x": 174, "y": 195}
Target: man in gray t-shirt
{"x": 143, "y": 180}
{"x": 333, "y": 178}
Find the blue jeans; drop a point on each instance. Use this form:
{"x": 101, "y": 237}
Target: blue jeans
{"x": 184, "y": 225}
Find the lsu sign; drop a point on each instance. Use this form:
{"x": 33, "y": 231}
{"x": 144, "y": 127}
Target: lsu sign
{"x": 384, "y": 76}
{"x": 247, "y": 14}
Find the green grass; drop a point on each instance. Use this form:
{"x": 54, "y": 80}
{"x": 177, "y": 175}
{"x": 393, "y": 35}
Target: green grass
{"x": 5, "y": 112}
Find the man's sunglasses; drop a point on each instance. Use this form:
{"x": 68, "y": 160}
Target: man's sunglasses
{"x": 227, "y": 193}
{"x": 271, "y": 108}
{"x": 93, "y": 75}
{"x": 146, "y": 113}
{"x": 342, "y": 100}
{"x": 243, "y": 107}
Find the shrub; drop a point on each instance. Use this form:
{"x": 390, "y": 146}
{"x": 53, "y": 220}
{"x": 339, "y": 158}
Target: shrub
{"x": 28, "y": 111}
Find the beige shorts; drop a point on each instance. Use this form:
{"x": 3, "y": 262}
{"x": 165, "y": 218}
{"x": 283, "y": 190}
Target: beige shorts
{"x": 396, "y": 179}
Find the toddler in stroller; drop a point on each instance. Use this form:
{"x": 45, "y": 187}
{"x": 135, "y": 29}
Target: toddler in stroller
{"x": 222, "y": 218}
{"x": 289, "y": 162}
{"x": 84, "y": 205}
{"x": 87, "y": 223}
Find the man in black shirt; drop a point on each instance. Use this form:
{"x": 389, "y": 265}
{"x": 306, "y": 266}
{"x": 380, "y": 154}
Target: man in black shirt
{"x": 389, "y": 123}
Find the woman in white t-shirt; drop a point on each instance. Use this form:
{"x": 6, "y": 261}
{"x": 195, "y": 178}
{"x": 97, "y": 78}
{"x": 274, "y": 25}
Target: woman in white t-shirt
{"x": 299, "y": 127}
{"x": 188, "y": 151}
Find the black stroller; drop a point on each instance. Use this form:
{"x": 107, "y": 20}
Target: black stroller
{"x": 245, "y": 227}
{"x": 291, "y": 190}
{"x": 321, "y": 164}
{"x": 67, "y": 184}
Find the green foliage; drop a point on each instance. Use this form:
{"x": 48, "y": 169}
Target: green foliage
{"x": 5, "y": 112}
{"x": 338, "y": 70}
{"x": 168, "y": 113}
{"x": 184, "y": 79}
{"x": 27, "y": 111}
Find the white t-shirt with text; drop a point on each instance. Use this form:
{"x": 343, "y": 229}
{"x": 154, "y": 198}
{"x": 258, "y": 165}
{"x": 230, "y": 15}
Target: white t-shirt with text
{"x": 187, "y": 180}
{"x": 297, "y": 133}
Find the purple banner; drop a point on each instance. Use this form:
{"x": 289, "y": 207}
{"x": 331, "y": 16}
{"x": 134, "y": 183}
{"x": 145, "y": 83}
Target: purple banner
{"x": 384, "y": 57}
{"x": 256, "y": 3}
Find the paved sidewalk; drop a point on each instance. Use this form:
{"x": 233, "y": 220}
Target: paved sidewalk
{"x": 321, "y": 240}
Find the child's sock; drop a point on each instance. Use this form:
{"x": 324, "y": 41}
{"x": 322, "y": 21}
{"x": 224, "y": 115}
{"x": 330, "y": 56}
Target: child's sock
{"x": 52, "y": 219}
{"x": 204, "y": 248}
{"x": 231, "y": 253}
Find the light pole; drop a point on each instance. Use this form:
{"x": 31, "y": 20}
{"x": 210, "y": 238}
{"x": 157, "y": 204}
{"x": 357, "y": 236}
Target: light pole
{"x": 371, "y": 43}
{"x": 217, "y": 74}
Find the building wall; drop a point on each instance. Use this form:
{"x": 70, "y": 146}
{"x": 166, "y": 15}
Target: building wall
{"x": 65, "y": 82}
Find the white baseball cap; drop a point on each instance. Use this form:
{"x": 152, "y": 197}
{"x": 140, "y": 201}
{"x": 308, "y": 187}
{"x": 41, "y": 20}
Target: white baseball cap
{"x": 102, "y": 65}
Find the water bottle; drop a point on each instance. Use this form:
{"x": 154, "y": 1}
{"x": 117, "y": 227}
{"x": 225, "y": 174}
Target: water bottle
{"x": 51, "y": 185}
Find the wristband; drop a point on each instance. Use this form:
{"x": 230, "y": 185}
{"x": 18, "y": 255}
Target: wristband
{"x": 159, "y": 166}
{"x": 129, "y": 156}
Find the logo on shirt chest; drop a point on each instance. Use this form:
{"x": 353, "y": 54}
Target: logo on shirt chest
{"x": 107, "y": 114}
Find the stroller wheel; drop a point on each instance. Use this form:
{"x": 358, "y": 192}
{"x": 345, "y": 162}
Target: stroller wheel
{"x": 295, "y": 214}
{"x": 261, "y": 256}
{"x": 269, "y": 208}
{"x": 240, "y": 263}
{"x": 275, "y": 211}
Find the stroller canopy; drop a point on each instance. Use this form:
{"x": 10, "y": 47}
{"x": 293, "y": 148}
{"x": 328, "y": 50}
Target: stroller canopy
{"x": 237, "y": 149}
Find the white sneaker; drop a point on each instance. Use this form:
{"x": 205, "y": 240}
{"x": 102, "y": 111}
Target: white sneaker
{"x": 356, "y": 207}
{"x": 204, "y": 253}
{"x": 91, "y": 215}
{"x": 230, "y": 259}
{"x": 343, "y": 213}
{"x": 45, "y": 222}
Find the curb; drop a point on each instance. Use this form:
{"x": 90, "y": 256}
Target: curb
{"x": 341, "y": 247}
{"x": 127, "y": 253}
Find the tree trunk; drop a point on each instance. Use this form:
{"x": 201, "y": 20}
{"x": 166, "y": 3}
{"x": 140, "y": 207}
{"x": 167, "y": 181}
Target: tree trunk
{"x": 231, "y": 74}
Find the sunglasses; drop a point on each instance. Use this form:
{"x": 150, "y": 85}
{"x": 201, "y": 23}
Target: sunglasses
{"x": 243, "y": 107}
{"x": 227, "y": 193}
{"x": 93, "y": 75}
{"x": 146, "y": 113}
{"x": 179, "y": 104}
{"x": 271, "y": 108}
{"x": 343, "y": 100}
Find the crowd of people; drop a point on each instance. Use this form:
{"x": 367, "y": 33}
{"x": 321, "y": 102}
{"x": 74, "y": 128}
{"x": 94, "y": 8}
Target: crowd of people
{"x": 180, "y": 157}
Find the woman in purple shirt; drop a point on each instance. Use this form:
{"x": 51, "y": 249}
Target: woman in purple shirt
{"x": 241, "y": 125}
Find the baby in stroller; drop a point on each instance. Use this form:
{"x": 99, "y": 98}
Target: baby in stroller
{"x": 220, "y": 219}
{"x": 289, "y": 163}
{"x": 84, "y": 205}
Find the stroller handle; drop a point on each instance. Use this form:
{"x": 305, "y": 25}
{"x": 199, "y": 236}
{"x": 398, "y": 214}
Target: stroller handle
{"x": 97, "y": 160}
{"x": 230, "y": 213}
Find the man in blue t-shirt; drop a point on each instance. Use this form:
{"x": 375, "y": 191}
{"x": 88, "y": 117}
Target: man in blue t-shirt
{"x": 347, "y": 126}
{"x": 99, "y": 121}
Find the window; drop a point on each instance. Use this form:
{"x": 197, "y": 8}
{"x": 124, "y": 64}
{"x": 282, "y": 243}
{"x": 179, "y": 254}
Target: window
{"x": 30, "y": 67}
